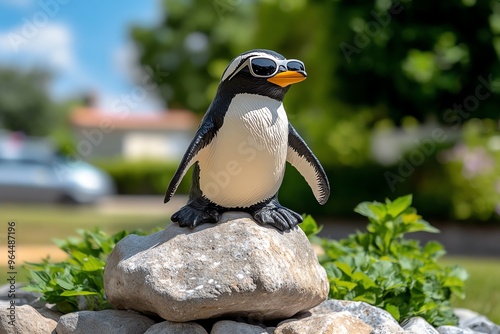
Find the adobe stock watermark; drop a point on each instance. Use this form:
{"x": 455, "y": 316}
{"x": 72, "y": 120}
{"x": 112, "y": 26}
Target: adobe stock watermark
{"x": 483, "y": 91}
{"x": 31, "y": 26}
{"x": 122, "y": 107}
{"x": 416, "y": 158}
{"x": 222, "y": 7}
{"x": 453, "y": 117}
{"x": 371, "y": 29}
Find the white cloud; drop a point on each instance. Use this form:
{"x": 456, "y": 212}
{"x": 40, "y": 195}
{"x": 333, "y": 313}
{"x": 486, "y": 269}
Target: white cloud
{"x": 29, "y": 45}
{"x": 126, "y": 62}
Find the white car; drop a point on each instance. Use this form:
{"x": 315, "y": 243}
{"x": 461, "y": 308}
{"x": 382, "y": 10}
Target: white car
{"x": 52, "y": 179}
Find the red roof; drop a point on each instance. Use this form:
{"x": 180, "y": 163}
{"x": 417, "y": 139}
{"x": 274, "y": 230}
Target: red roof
{"x": 168, "y": 120}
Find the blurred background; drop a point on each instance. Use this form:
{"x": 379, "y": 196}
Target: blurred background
{"x": 98, "y": 101}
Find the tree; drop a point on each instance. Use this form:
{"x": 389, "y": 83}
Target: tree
{"x": 194, "y": 43}
{"x": 420, "y": 58}
{"x": 25, "y": 104}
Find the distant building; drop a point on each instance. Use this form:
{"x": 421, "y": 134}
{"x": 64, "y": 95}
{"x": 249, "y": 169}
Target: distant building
{"x": 159, "y": 136}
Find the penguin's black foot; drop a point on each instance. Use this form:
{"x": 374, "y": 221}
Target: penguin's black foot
{"x": 274, "y": 214}
{"x": 194, "y": 215}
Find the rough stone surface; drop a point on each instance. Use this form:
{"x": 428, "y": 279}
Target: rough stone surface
{"x": 332, "y": 323}
{"x": 27, "y": 321}
{"x": 476, "y": 322}
{"x": 107, "y": 321}
{"x": 176, "y": 328}
{"x": 418, "y": 325}
{"x": 50, "y": 314}
{"x": 231, "y": 327}
{"x": 22, "y": 297}
{"x": 381, "y": 320}
{"x": 455, "y": 330}
{"x": 233, "y": 268}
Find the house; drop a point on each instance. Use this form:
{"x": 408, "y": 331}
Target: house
{"x": 134, "y": 136}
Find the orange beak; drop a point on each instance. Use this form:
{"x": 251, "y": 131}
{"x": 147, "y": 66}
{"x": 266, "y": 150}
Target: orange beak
{"x": 286, "y": 78}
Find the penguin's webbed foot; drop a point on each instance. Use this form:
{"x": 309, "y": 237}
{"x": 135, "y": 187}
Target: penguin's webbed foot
{"x": 276, "y": 215}
{"x": 192, "y": 216}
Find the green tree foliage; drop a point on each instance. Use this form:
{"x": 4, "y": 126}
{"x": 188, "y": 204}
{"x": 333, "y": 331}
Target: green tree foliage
{"x": 419, "y": 58}
{"x": 25, "y": 104}
{"x": 194, "y": 44}
{"x": 405, "y": 57}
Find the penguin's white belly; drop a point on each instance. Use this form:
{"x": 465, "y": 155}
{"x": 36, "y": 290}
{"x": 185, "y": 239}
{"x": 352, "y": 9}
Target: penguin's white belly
{"x": 245, "y": 163}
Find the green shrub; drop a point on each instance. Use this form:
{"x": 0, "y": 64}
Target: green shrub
{"x": 384, "y": 269}
{"x": 357, "y": 184}
{"x": 80, "y": 277}
{"x": 379, "y": 267}
{"x": 142, "y": 177}
{"x": 473, "y": 166}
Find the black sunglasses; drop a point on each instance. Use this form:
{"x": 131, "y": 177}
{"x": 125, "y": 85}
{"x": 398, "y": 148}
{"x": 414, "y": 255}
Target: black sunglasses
{"x": 266, "y": 67}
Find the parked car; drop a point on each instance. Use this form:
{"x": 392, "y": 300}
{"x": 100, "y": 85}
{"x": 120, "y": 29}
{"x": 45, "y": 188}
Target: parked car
{"x": 31, "y": 171}
{"x": 52, "y": 179}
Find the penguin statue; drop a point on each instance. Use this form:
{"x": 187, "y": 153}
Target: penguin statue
{"x": 242, "y": 144}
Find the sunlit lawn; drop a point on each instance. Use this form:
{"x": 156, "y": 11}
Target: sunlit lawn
{"x": 38, "y": 225}
{"x": 483, "y": 286}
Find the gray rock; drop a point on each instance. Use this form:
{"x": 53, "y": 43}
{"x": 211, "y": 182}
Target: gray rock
{"x": 328, "y": 323}
{"x": 476, "y": 322}
{"x": 176, "y": 328}
{"x": 50, "y": 314}
{"x": 107, "y": 321}
{"x": 418, "y": 325}
{"x": 381, "y": 320}
{"x": 233, "y": 268}
{"x": 231, "y": 327}
{"x": 24, "y": 320}
{"x": 22, "y": 297}
{"x": 455, "y": 330}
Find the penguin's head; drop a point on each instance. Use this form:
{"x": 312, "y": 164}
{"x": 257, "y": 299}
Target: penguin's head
{"x": 262, "y": 72}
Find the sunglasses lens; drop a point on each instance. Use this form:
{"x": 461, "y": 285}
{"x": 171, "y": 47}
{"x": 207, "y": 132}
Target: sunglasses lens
{"x": 263, "y": 66}
{"x": 295, "y": 66}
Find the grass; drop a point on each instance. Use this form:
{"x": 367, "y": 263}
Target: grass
{"x": 41, "y": 224}
{"x": 482, "y": 291}
{"x": 38, "y": 225}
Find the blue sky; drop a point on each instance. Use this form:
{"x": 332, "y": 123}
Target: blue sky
{"x": 85, "y": 43}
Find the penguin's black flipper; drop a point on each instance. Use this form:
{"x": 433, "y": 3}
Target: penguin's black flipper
{"x": 204, "y": 135}
{"x": 271, "y": 212}
{"x": 302, "y": 158}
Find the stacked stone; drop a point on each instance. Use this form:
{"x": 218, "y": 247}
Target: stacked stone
{"x": 232, "y": 277}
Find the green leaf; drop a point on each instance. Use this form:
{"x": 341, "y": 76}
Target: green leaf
{"x": 78, "y": 293}
{"x": 373, "y": 210}
{"x": 65, "y": 282}
{"x": 421, "y": 226}
{"x": 399, "y": 205}
{"x": 434, "y": 249}
{"x": 344, "y": 267}
{"x": 366, "y": 281}
{"x": 393, "y": 310}
{"x": 345, "y": 284}
{"x": 40, "y": 277}
{"x": 309, "y": 226}
{"x": 367, "y": 297}
{"x": 91, "y": 264}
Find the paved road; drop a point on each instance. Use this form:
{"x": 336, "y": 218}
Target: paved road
{"x": 151, "y": 204}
